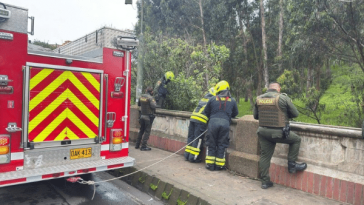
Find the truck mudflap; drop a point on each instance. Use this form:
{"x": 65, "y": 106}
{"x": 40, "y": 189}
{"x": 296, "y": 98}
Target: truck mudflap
{"x": 59, "y": 171}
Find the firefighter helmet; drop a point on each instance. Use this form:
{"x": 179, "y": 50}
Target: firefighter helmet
{"x": 212, "y": 91}
{"x": 222, "y": 85}
{"x": 169, "y": 76}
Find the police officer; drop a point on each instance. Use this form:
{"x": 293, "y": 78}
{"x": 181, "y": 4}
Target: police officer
{"x": 148, "y": 105}
{"x": 160, "y": 91}
{"x": 273, "y": 110}
{"x": 198, "y": 124}
{"x": 219, "y": 110}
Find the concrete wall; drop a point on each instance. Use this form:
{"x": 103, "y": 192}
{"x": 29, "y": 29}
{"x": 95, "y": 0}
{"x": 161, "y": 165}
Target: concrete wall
{"x": 335, "y": 155}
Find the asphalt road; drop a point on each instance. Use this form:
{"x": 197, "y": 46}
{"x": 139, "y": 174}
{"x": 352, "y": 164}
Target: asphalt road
{"x": 61, "y": 192}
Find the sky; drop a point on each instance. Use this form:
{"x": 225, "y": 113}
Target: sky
{"x": 59, "y": 20}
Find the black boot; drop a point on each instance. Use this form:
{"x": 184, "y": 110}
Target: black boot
{"x": 266, "y": 185}
{"x": 210, "y": 167}
{"x": 220, "y": 168}
{"x": 137, "y": 146}
{"x": 145, "y": 148}
{"x": 293, "y": 167}
{"x": 186, "y": 155}
{"x": 196, "y": 161}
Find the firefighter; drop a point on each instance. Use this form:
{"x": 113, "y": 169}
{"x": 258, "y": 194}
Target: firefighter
{"x": 148, "y": 106}
{"x": 160, "y": 92}
{"x": 273, "y": 110}
{"x": 198, "y": 124}
{"x": 219, "y": 110}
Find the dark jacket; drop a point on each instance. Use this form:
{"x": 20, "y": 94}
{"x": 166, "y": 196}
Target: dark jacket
{"x": 285, "y": 104}
{"x": 199, "y": 114}
{"x": 222, "y": 106}
{"x": 159, "y": 89}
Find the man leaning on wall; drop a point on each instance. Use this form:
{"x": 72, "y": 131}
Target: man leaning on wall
{"x": 273, "y": 110}
{"x": 219, "y": 110}
{"x": 198, "y": 125}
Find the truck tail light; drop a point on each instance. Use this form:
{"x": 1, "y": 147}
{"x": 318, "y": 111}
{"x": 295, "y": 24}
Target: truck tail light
{"x": 4, "y": 140}
{"x": 4, "y": 149}
{"x": 116, "y": 139}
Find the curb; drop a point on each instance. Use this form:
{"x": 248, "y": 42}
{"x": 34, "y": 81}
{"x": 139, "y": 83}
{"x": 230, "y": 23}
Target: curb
{"x": 163, "y": 191}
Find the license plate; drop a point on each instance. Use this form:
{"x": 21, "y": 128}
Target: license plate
{"x": 81, "y": 153}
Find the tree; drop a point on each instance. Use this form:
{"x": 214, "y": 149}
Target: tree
{"x": 280, "y": 38}
{"x": 264, "y": 36}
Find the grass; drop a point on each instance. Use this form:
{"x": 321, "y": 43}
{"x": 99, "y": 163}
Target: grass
{"x": 336, "y": 98}
{"x": 244, "y": 108}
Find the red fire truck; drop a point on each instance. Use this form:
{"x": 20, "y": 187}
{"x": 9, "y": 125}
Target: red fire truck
{"x": 64, "y": 112}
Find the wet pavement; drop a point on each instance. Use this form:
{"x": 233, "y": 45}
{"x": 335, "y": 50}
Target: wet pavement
{"x": 61, "y": 192}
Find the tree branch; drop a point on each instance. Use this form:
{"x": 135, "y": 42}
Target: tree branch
{"x": 342, "y": 28}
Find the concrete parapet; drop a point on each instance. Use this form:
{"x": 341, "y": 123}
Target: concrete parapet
{"x": 243, "y": 163}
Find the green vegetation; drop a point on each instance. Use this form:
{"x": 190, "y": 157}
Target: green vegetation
{"x": 340, "y": 106}
{"x": 314, "y": 49}
{"x": 244, "y": 108}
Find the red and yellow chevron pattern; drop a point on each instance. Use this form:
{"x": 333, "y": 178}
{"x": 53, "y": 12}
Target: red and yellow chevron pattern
{"x": 63, "y": 105}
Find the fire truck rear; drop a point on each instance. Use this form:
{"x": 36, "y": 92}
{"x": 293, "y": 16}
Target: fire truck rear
{"x": 63, "y": 112}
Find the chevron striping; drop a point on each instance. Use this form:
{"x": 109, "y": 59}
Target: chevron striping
{"x": 66, "y": 132}
{"x": 67, "y": 113}
{"x": 56, "y": 83}
{"x": 47, "y": 111}
{"x": 84, "y": 90}
{"x": 67, "y": 94}
{"x": 53, "y": 125}
{"x": 92, "y": 80}
{"x": 81, "y": 125}
{"x": 63, "y": 100}
{"x": 48, "y": 90}
{"x": 83, "y": 108}
{"x": 39, "y": 77}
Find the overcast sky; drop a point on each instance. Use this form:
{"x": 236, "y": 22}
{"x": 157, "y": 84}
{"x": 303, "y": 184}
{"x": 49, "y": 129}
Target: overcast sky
{"x": 59, "y": 20}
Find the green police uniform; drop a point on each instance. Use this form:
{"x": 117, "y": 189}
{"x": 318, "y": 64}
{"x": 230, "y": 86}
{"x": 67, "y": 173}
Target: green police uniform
{"x": 273, "y": 110}
{"x": 148, "y": 106}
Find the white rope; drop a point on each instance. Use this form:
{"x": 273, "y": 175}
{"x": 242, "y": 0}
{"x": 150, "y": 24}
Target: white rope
{"x": 90, "y": 182}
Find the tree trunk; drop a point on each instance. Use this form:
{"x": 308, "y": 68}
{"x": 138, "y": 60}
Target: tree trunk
{"x": 202, "y": 24}
{"x": 204, "y": 43}
{"x": 259, "y": 86}
{"x": 318, "y": 76}
{"x": 309, "y": 76}
{"x": 250, "y": 95}
{"x": 259, "y": 70}
{"x": 265, "y": 61}
{"x": 328, "y": 69}
{"x": 280, "y": 35}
